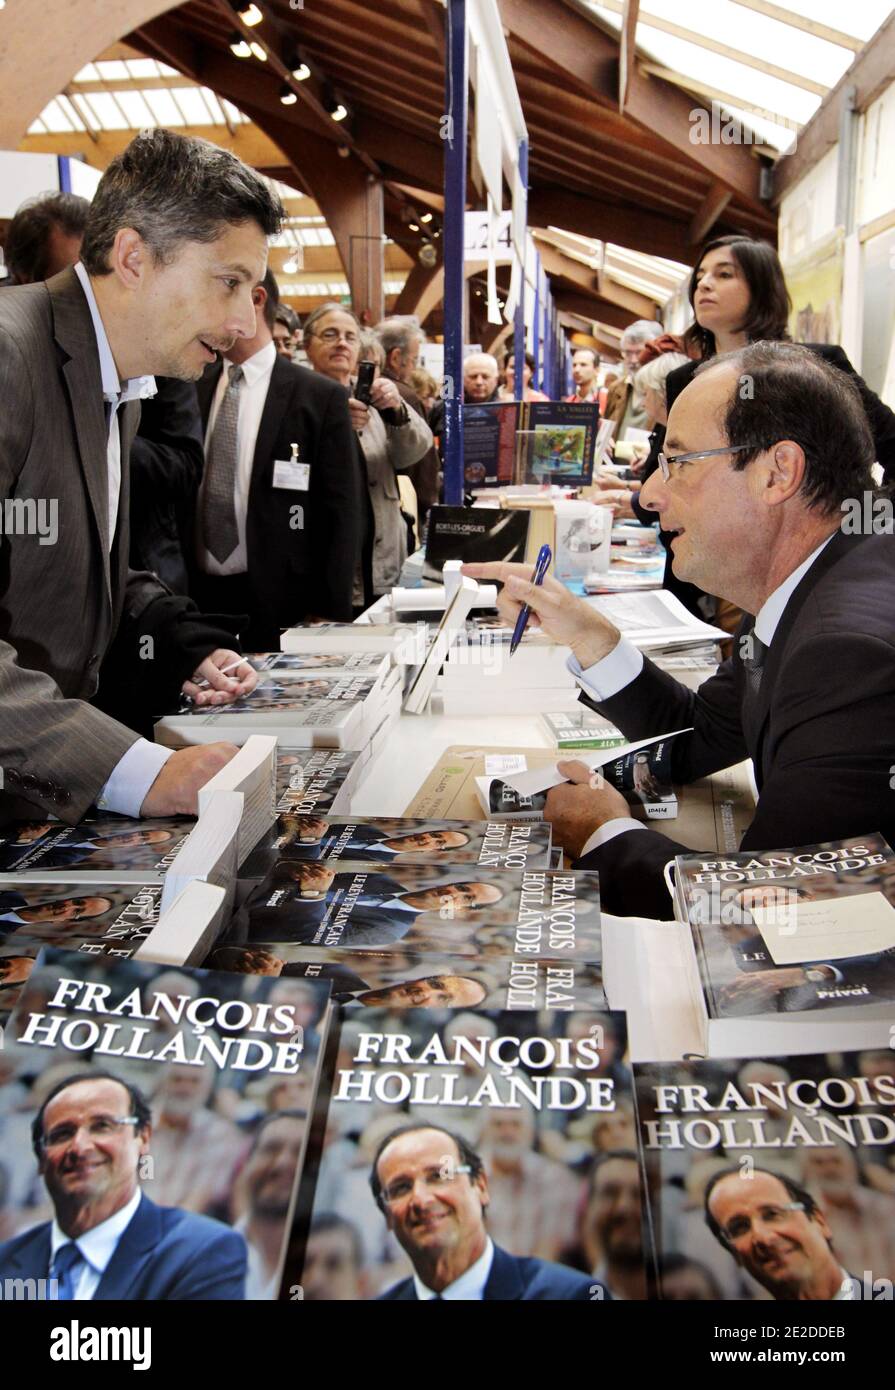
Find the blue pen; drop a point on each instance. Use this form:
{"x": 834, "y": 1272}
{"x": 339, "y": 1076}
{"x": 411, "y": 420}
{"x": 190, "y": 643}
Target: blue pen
{"x": 542, "y": 564}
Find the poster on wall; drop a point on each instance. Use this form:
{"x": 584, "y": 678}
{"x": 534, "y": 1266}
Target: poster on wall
{"x": 814, "y": 282}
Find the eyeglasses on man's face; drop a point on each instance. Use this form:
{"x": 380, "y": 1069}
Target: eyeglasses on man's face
{"x": 432, "y": 1180}
{"x": 669, "y": 464}
{"x": 740, "y": 1227}
{"x": 334, "y": 335}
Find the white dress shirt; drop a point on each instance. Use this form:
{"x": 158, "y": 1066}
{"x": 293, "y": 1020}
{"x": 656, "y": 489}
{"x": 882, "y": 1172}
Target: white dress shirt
{"x": 97, "y": 1247}
{"x": 624, "y": 664}
{"x": 135, "y": 773}
{"x": 252, "y": 396}
{"x": 470, "y": 1285}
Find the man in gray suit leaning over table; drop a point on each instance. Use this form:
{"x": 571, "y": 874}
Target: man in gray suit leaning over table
{"x": 767, "y": 462}
{"x": 176, "y": 240}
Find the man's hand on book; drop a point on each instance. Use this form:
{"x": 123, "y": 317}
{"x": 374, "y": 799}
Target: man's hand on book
{"x": 175, "y": 791}
{"x": 576, "y": 809}
{"x": 221, "y": 678}
{"x": 758, "y": 986}
{"x": 567, "y": 619}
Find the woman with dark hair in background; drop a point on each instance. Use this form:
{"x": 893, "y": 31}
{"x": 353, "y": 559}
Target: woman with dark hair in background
{"x": 738, "y": 294}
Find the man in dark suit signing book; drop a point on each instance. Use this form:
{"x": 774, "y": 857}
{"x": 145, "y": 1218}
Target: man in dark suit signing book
{"x": 176, "y": 238}
{"x": 766, "y": 465}
{"x": 107, "y": 1240}
{"x": 432, "y": 1188}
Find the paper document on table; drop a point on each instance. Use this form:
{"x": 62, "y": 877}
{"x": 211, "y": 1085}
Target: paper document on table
{"x": 542, "y": 778}
{"x": 796, "y": 931}
{"x": 655, "y": 619}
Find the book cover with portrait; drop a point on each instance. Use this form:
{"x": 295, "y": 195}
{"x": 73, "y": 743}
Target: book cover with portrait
{"x": 155, "y": 1122}
{"x": 771, "y": 1177}
{"x": 311, "y": 780}
{"x": 101, "y": 843}
{"x": 460, "y": 910}
{"x": 791, "y": 939}
{"x": 474, "y": 1155}
{"x": 404, "y": 979}
{"x": 489, "y": 844}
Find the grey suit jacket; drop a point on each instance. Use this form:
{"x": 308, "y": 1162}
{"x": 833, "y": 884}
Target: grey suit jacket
{"x": 60, "y": 604}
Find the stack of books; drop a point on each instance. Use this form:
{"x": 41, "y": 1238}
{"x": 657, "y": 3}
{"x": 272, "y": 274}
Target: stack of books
{"x": 328, "y": 699}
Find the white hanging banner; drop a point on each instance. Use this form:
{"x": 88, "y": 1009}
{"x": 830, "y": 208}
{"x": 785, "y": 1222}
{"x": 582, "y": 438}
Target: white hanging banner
{"x": 494, "y": 314}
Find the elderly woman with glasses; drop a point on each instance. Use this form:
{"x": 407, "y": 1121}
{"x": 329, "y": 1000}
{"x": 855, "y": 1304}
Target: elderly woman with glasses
{"x": 392, "y": 439}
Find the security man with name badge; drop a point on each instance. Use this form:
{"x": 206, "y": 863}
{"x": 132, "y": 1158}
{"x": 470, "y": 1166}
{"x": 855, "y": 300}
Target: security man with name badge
{"x": 278, "y": 524}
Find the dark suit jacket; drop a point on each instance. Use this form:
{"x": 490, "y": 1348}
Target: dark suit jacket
{"x": 299, "y": 919}
{"x": 308, "y": 570}
{"x": 62, "y": 605}
{"x": 164, "y": 1253}
{"x": 879, "y": 417}
{"x": 166, "y": 469}
{"x": 515, "y": 1277}
{"x": 9, "y": 901}
{"x": 824, "y": 732}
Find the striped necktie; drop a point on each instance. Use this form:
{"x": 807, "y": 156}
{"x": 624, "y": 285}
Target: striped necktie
{"x": 219, "y": 526}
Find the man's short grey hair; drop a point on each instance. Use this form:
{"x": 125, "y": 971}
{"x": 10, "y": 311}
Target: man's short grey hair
{"x": 652, "y": 376}
{"x": 331, "y": 307}
{"x": 399, "y": 331}
{"x": 371, "y": 349}
{"x": 173, "y": 189}
{"x": 640, "y": 331}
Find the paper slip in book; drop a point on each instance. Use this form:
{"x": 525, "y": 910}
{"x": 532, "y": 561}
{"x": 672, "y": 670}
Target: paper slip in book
{"x": 474, "y": 1132}
{"x": 542, "y": 779}
{"x": 767, "y": 1176}
{"x": 791, "y": 943}
{"x": 130, "y": 1071}
{"x": 489, "y": 844}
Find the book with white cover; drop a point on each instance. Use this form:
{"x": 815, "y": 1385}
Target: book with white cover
{"x": 188, "y": 927}
{"x": 452, "y": 624}
{"x": 211, "y": 851}
{"x": 655, "y": 620}
{"x": 253, "y": 773}
{"x": 296, "y": 666}
{"x": 344, "y": 638}
{"x": 324, "y": 723}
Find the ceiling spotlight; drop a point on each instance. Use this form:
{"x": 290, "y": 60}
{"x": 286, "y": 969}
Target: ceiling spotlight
{"x": 249, "y": 14}
{"x": 259, "y": 52}
{"x": 426, "y": 217}
{"x": 413, "y": 226}
{"x": 297, "y": 66}
{"x": 437, "y": 232}
{"x": 290, "y": 266}
{"x": 287, "y": 96}
{"x": 239, "y": 47}
{"x": 333, "y": 106}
